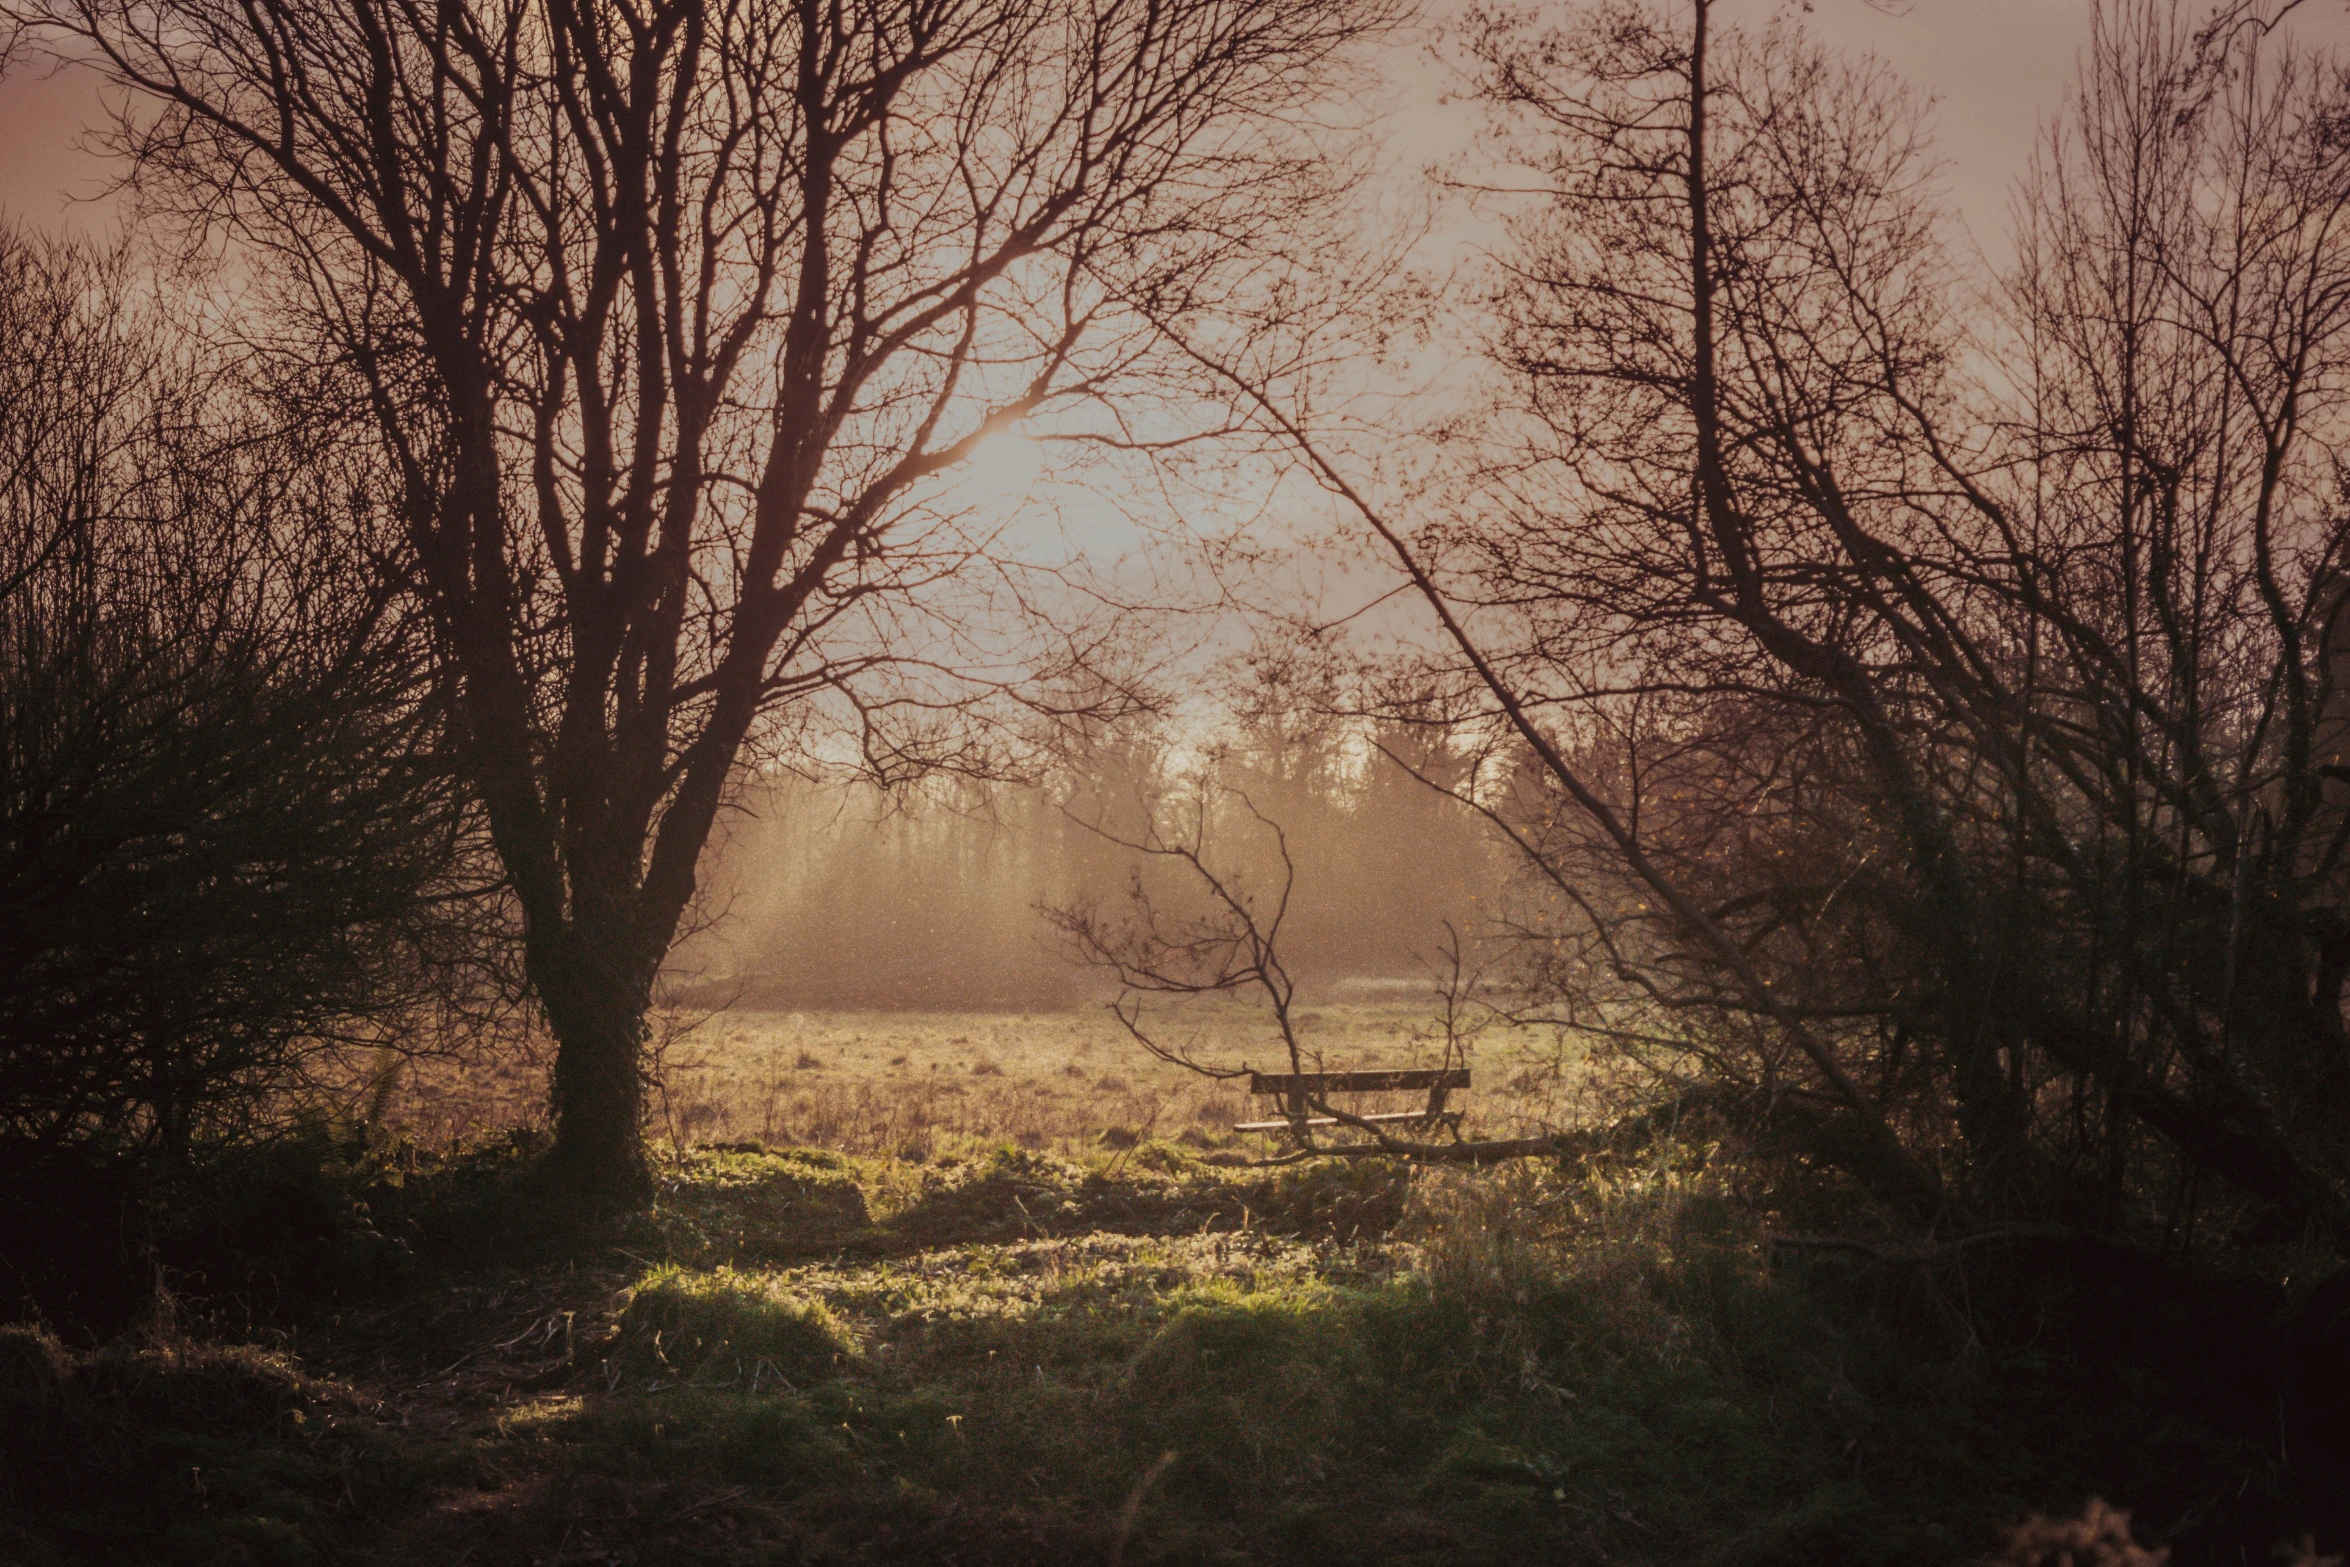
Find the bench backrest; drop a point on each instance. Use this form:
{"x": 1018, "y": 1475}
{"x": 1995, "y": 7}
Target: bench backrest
{"x": 1288, "y": 1084}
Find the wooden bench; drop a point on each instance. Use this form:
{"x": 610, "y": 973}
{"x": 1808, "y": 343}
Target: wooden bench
{"x": 1296, "y": 1089}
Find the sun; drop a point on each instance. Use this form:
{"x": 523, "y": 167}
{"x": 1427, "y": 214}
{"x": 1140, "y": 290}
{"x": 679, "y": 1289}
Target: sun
{"x": 1002, "y": 469}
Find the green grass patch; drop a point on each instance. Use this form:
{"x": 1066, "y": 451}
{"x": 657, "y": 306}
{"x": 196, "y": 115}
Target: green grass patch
{"x": 1017, "y": 1356}
{"x": 734, "y": 1327}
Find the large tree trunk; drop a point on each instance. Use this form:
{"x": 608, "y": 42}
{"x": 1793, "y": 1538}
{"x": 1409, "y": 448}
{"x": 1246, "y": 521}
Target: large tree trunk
{"x": 596, "y": 993}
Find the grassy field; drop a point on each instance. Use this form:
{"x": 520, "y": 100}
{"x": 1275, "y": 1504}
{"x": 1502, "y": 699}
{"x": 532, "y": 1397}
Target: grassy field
{"x": 901, "y": 1082}
{"x": 999, "y": 1290}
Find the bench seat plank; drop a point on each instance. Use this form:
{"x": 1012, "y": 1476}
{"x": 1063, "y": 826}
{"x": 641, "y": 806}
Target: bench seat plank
{"x": 1329, "y": 1120}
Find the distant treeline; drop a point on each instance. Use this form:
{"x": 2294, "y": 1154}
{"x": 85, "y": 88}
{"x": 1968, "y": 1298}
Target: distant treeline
{"x": 840, "y": 894}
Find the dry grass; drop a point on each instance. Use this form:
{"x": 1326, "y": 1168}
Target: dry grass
{"x": 907, "y": 1083}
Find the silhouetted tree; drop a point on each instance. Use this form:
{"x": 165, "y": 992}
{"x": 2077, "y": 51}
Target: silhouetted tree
{"x": 667, "y": 312}
{"x": 2023, "y": 682}
{"x": 1926, "y": 719}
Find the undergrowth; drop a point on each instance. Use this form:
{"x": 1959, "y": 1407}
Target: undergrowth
{"x": 1010, "y": 1356}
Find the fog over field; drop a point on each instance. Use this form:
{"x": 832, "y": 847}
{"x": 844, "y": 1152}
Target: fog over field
{"x": 938, "y": 899}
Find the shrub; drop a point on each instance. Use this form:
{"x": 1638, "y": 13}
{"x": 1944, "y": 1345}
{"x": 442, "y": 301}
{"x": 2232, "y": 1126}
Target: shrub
{"x": 1349, "y": 1199}
{"x": 224, "y": 847}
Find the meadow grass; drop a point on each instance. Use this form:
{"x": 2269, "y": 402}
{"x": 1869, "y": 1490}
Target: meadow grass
{"x": 907, "y": 1083}
{"x": 1045, "y": 1319}
{"x": 1370, "y": 1365}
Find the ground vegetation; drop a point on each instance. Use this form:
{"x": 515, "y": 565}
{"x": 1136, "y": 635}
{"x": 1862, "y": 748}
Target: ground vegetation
{"x": 1001, "y": 1355}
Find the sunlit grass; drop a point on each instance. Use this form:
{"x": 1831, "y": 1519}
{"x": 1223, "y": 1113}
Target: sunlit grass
{"x": 918, "y": 1085}
{"x": 1005, "y": 1289}
{"x": 1020, "y": 1356}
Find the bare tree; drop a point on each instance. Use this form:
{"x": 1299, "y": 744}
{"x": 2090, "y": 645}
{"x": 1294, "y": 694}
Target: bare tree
{"x": 1924, "y": 716}
{"x": 2001, "y": 673}
{"x": 668, "y": 312}
{"x": 1207, "y": 931}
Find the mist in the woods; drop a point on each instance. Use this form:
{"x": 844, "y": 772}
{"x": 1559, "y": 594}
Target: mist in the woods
{"x": 937, "y": 898}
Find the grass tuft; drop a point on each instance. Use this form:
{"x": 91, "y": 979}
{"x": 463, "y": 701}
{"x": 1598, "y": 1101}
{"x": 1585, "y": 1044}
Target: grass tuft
{"x": 730, "y": 1327}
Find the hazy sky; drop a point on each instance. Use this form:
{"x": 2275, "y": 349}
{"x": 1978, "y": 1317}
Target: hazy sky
{"x": 1995, "y": 67}
{"x": 1997, "y": 70}
{"x": 42, "y": 116}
